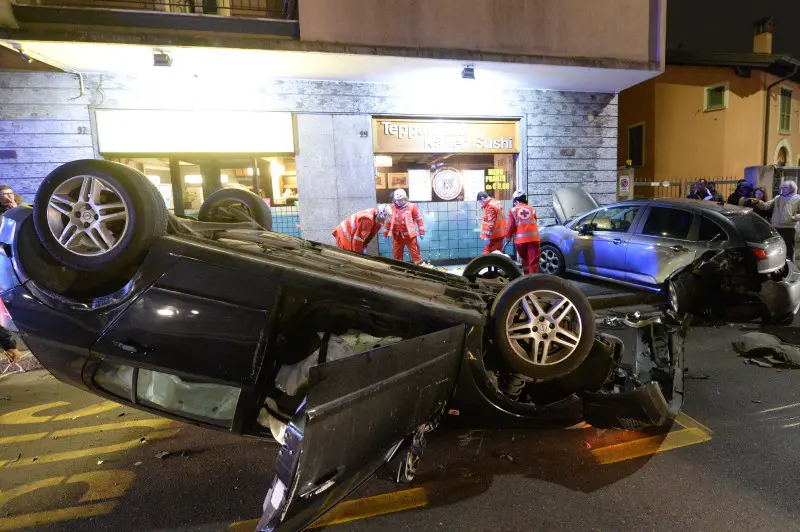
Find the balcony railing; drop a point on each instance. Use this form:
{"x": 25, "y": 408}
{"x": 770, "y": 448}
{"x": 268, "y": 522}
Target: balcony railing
{"x": 271, "y": 9}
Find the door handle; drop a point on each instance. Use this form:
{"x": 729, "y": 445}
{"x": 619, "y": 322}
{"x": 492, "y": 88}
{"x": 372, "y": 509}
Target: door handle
{"x": 131, "y": 348}
{"x": 679, "y": 249}
{"x": 618, "y": 241}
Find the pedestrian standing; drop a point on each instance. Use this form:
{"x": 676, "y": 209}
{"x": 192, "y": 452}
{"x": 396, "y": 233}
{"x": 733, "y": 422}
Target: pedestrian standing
{"x": 404, "y": 227}
{"x": 7, "y": 198}
{"x": 493, "y": 228}
{"x": 7, "y": 341}
{"x": 524, "y": 230}
{"x": 358, "y": 230}
{"x": 785, "y": 214}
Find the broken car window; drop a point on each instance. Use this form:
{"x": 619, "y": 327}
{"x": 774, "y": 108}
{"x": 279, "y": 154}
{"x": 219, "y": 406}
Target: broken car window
{"x": 710, "y": 232}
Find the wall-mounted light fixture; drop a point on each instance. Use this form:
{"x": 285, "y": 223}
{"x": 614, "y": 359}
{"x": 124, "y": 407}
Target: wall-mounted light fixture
{"x": 161, "y": 58}
{"x": 468, "y": 72}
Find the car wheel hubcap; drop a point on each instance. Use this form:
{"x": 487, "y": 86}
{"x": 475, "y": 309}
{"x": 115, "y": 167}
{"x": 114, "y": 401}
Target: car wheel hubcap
{"x": 88, "y": 216}
{"x": 549, "y": 262}
{"x": 544, "y": 327}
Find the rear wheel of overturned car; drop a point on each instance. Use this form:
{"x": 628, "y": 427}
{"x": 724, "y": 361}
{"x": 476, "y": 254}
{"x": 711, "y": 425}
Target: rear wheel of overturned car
{"x": 551, "y": 260}
{"x": 494, "y": 268}
{"x": 234, "y": 205}
{"x": 544, "y": 326}
{"x": 94, "y": 214}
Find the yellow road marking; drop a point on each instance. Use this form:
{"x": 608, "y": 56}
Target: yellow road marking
{"x": 354, "y": 510}
{"x": 693, "y": 432}
{"x": 28, "y": 415}
{"x": 47, "y": 517}
{"x": 100, "y": 485}
{"x": 94, "y": 451}
{"x": 155, "y": 423}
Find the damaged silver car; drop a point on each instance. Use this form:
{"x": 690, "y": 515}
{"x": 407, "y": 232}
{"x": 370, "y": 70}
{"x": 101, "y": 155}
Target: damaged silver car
{"x": 732, "y": 255}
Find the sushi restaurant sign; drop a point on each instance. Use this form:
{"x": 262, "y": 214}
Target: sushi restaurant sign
{"x": 444, "y": 136}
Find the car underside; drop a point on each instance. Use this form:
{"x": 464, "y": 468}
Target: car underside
{"x": 347, "y": 361}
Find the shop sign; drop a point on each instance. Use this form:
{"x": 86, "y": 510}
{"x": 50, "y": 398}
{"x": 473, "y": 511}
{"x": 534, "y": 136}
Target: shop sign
{"x": 496, "y": 179}
{"x": 444, "y": 136}
{"x": 447, "y": 183}
{"x": 144, "y": 131}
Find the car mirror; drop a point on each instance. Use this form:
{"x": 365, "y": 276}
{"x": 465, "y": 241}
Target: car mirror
{"x": 585, "y": 229}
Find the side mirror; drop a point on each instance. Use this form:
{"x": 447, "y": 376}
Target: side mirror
{"x": 585, "y": 229}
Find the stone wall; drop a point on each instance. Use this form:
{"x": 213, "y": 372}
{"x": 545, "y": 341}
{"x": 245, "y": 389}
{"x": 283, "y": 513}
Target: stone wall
{"x": 571, "y": 137}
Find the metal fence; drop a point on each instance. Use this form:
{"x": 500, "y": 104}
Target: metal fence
{"x": 679, "y": 188}
{"x": 274, "y": 9}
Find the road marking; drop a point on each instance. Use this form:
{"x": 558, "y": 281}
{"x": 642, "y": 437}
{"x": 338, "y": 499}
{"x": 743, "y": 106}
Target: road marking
{"x": 693, "y": 433}
{"x": 53, "y": 516}
{"x": 155, "y": 423}
{"x": 28, "y": 415}
{"x": 93, "y": 451}
{"x": 100, "y": 485}
{"x": 354, "y": 510}
{"x": 779, "y": 408}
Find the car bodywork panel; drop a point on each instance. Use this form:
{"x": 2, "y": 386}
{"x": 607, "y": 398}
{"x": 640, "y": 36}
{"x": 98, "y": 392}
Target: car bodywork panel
{"x": 220, "y": 317}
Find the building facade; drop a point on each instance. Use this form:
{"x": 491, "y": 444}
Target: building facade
{"x": 712, "y": 115}
{"x": 322, "y": 129}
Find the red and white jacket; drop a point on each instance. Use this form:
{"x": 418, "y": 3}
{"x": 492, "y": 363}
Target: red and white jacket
{"x": 405, "y": 222}
{"x": 522, "y": 225}
{"x": 359, "y": 229}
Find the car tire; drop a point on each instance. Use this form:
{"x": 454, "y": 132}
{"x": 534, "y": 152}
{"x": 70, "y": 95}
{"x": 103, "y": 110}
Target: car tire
{"x": 492, "y": 267}
{"x": 551, "y": 260}
{"x": 530, "y": 314}
{"x": 256, "y": 208}
{"x": 93, "y": 214}
{"x": 682, "y": 291}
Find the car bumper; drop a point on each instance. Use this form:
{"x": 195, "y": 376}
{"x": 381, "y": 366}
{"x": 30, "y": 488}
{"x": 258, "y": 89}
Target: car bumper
{"x": 782, "y": 298}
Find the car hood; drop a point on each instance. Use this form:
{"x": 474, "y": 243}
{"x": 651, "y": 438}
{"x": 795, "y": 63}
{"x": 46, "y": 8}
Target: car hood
{"x": 570, "y": 202}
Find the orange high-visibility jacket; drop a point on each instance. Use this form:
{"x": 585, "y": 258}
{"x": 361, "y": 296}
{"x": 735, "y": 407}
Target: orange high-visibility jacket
{"x": 406, "y": 221}
{"x": 494, "y": 220}
{"x": 359, "y": 229}
{"x": 522, "y": 226}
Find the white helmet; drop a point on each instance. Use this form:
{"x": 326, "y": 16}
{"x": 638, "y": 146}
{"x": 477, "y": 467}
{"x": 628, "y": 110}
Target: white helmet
{"x": 383, "y": 210}
{"x": 400, "y": 197}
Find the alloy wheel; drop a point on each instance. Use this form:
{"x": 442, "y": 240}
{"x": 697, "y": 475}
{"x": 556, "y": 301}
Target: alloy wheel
{"x": 544, "y": 327}
{"x": 88, "y": 216}
{"x": 549, "y": 262}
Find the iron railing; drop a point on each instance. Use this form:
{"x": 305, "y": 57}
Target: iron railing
{"x": 679, "y": 188}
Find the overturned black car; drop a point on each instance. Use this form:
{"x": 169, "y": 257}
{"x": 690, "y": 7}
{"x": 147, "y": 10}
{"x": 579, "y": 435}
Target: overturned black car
{"x": 346, "y": 360}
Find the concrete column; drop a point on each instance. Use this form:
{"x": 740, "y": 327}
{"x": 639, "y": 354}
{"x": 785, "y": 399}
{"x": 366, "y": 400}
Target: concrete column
{"x": 335, "y": 172}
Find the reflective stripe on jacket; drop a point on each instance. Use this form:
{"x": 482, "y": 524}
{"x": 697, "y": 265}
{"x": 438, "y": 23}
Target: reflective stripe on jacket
{"x": 494, "y": 220}
{"x": 359, "y": 229}
{"x": 522, "y": 224}
{"x": 405, "y": 221}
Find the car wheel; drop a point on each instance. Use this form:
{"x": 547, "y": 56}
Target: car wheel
{"x": 544, "y": 326}
{"x": 218, "y": 205}
{"x": 681, "y": 291}
{"x": 94, "y": 214}
{"x": 551, "y": 260}
{"x": 494, "y": 268}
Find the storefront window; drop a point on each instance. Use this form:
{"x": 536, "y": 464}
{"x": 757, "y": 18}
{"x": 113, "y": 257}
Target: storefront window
{"x": 274, "y": 179}
{"x": 442, "y": 165}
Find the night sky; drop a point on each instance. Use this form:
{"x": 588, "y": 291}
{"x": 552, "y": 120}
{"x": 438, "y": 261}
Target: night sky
{"x": 727, "y": 25}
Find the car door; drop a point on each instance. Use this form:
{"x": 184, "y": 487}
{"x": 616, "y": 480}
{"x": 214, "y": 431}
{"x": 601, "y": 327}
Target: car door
{"x": 601, "y": 249}
{"x": 356, "y": 413}
{"x": 666, "y": 241}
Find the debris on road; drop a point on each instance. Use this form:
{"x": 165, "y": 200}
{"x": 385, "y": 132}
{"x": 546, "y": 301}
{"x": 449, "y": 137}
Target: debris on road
{"x": 142, "y": 440}
{"x": 507, "y": 457}
{"x": 121, "y": 414}
{"x": 767, "y": 351}
{"x": 756, "y": 401}
{"x": 137, "y": 464}
{"x": 17, "y": 459}
{"x": 696, "y": 376}
{"x": 100, "y": 462}
{"x": 162, "y": 454}
{"x": 5, "y": 398}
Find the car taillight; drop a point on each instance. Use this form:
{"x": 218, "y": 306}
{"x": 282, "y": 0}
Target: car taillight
{"x": 759, "y": 254}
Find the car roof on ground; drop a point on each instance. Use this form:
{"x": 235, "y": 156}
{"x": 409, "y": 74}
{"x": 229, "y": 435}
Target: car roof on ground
{"x": 693, "y": 204}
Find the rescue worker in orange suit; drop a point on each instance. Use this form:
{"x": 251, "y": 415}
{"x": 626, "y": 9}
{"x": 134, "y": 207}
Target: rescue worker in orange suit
{"x": 358, "y": 230}
{"x": 404, "y": 225}
{"x": 524, "y": 229}
{"x": 493, "y": 228}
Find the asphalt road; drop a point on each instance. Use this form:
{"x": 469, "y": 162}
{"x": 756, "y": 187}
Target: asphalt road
{"x": 70, "y": 462}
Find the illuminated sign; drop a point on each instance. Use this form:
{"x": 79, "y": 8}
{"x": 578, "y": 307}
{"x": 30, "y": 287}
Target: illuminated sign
{"x": 496, "y": 179}
{"x": 445, "y": 136}
{"x": 134, "y": 131}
